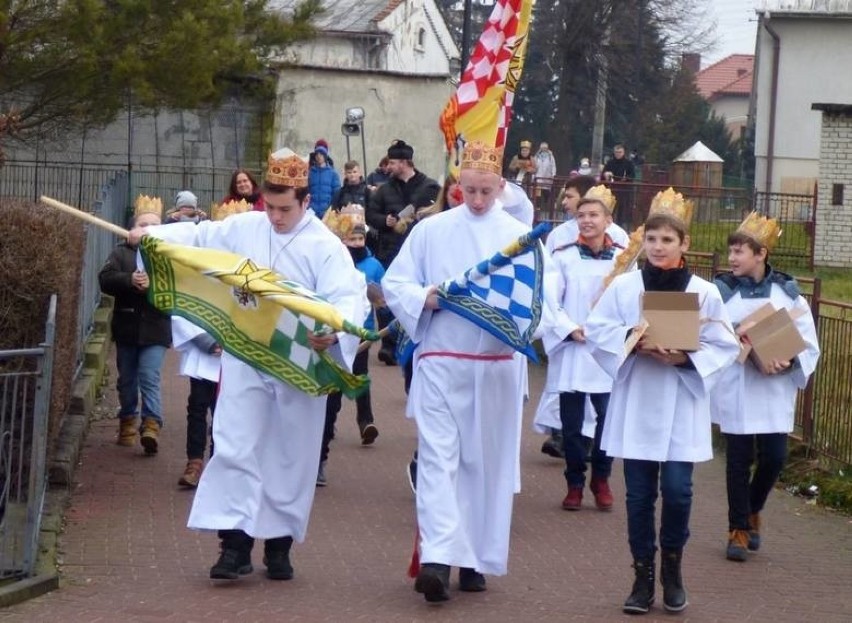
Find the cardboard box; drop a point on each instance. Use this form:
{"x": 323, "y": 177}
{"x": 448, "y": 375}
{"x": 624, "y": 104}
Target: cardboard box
{"x": 673, "y": 320}
{"x": 770, "y": 337}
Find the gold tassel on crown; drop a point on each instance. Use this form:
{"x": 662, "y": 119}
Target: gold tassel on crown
{"x": 604, "y": 195}
{"x": 219, "y": 212}
{"x": 478, "y": 156}
{"x": 342, "y": 223}
{"x": 286, "y": 168}
{"x": 147, "y": 205}
{"x": 765, "y": 231}
{"x": 671, "y": 202}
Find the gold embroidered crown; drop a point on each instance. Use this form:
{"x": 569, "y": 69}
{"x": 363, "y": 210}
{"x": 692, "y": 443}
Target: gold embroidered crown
{"x": 478, "y": 156}
{"x": 342, "y": 223}
{"x": 604, "y": 195}
{"x": 526, "y": 144}
{"x": 286, "y": 168}
{"x": 219, "y": 212}
{"x": 765, "y": 231}
{"x": 147, "y": 205}
{"x": 671, "y": 202}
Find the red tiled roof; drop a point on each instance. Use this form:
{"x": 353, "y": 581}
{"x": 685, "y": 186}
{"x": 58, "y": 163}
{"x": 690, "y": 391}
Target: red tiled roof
{"x": 730, "y": 76}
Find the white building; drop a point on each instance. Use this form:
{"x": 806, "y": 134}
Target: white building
{"x": 803, "y": 48}
{"x": 395, "y": 59}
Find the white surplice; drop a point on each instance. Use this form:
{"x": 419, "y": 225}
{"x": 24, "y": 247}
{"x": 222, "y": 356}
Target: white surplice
{"x": 659, "y": 412}
{"x": 568, "y": 231}
{"x": 467, "y": 407}
{"x": 194, "y": 362}
{"x": 748, "y": 402}
{"x": 267, "y": 434}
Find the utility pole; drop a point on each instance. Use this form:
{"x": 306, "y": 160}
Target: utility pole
{"x": 600, "y": 100}
{"x": 465, "y": 42}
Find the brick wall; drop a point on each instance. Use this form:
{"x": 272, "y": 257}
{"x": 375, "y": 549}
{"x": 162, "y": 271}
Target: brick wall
{"x": 833, "y": 235}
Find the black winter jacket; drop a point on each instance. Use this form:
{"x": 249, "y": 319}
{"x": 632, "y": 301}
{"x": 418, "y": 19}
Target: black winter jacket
{"x": 134, "y": 320}
{"x": 391, "y": 198}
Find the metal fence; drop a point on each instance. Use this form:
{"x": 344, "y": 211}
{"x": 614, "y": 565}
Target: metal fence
{"x": 25, "y": 377}
{"x": 82, "y": 185}
{"x": 717, "y": 212}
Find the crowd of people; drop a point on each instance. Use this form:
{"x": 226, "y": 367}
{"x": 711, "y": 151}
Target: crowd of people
{"x": 377, "y": 248}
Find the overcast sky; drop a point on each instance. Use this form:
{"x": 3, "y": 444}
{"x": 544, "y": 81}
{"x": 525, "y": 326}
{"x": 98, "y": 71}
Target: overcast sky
{"x": 735, "y": 29}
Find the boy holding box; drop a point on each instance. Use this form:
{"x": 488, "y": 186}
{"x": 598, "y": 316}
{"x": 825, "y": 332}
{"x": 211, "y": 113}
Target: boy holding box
{"x": 762, "y": 415}
{"x": 659, "y": 414}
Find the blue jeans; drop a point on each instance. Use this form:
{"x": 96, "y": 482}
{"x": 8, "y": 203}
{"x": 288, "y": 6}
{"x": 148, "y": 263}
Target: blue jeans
{"x": 572, "y": 412}
{"x": 747, "y": 492}
{"x": 643, "y": 480}
{"x": 139, "y": 372}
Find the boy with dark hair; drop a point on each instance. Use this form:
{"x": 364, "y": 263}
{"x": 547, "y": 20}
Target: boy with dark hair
{"x": 658, "y": 419}
{"x": 755, "y": 407}
{"x": 354, "y": 189}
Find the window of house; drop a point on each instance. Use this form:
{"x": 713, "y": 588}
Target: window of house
{"x": 421, "y": 39}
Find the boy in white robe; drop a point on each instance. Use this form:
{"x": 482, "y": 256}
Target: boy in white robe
{"x": 659, "y": 414}
{"x": 755, "y": 408}
{"x": 260, "y": 483}
{"x": 464, "y": 391}
{"x": 572, "y": 371}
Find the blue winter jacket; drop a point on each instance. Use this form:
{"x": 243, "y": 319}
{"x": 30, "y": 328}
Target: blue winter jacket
{"x": 323, "y": 183}
{"x": 373, "y": 271}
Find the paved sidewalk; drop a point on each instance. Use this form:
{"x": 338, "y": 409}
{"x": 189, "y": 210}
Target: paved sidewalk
{"x": 127, "y": 555}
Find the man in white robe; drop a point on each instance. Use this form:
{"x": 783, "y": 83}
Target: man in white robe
{"x": 260, "y": 483}
{"x": 464, "y": 392}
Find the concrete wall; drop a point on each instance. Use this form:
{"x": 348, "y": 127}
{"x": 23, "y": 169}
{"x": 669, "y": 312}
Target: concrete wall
{"x": 312, "y": 102}
{"x": 810, "y": 70}
{"x": 834, "y": 222}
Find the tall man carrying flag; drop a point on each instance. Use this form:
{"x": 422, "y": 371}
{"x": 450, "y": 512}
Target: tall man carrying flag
{"x": 261, "y": 481}
{"x": 464, "y": 393}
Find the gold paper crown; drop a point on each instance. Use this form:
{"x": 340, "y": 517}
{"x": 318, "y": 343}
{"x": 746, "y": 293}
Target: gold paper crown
{"x": 765, "y": 231}
{"x": 672, "y": 203}
{"x": 478, "y": 156}
{"x": 604, "y": 195}
{"x": 219, "y": 212}
{"x": 526, "y": 144}
{"x": 342, "y": 223}
{"x": 147, "y": 205}
{"x": 287, "y": 171}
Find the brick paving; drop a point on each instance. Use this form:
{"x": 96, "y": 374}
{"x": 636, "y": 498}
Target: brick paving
{"x": 127, "y": 555}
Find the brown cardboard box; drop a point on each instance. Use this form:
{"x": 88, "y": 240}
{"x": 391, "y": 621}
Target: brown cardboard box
{"x": 761, "y": 313}
{"x": 673, "y": 321}
{"x": 773, "y": 337}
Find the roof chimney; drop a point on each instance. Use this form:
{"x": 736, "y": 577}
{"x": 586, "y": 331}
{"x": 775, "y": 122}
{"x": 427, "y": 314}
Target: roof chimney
{"x": 691, "y": 61}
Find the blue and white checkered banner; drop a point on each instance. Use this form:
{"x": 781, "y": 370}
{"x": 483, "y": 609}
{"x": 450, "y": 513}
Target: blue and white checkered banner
{"x": 503, "y": 294}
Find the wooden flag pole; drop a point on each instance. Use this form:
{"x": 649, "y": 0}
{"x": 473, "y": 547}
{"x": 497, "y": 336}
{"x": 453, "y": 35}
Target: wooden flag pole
{"x": 84, "y": 216}
{"x": 365, "y": 345}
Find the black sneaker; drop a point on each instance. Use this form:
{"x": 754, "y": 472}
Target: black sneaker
{"x": 369, "y": 434}
{"x": 231, "y": 565}
{"x": 470, "y": 581}
{"x": 386, "y": 356}
{"x": 433, "y": 581}
{"x": 278, "y": 565}
{"x": 411, "y": 474}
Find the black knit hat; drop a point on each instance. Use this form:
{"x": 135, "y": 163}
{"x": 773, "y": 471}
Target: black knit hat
{"x": 400, "y": 150}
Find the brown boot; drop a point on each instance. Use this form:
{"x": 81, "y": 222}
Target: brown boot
{"x": 192, "y": 473}
{"x": 150, "y": 433}
{"x": 128, "y": 428}
{"x": 602, "y": 492}
{"x": 737, "y": 546}
{"x": 754, "y": 532}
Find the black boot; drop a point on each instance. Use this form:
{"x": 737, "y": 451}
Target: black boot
{"x": 642, "y": 596}
{"x": 470, "y": 581}
{"x": 433, "y": 581}
{"x": 235, "y": 557}
{"x": 674, "y": 595}
{"x": 276, "y": 557}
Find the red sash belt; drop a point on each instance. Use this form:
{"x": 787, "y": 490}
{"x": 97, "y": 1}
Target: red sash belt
{"x": 472, "y": 356}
